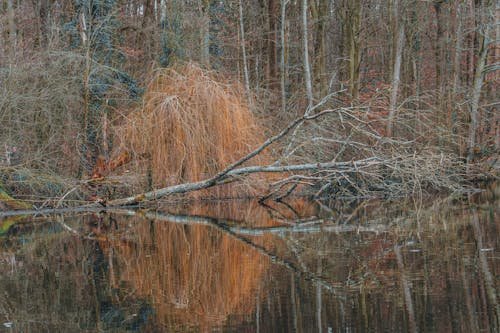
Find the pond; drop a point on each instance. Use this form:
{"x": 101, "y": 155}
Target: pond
{"x": 406, "y": 265}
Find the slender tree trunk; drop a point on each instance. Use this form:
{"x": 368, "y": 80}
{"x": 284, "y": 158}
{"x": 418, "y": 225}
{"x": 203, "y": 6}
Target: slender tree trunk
{"x": 497, "y": 132}
{"x": 496, "y": 78}
{"x": 166, "y": 52}
{"x": 12, "y": 28}
{"x": 147, "y": 26}
{"x": 415, "y": 39}
{"x": 396, "y": 78}
{"x": 484, "y": 43}
{"x": 271, "y": 43}
{"x": 354, "y": 48}
{"x": 471, "y": 26}
{"x": 204, "y": 33}
{"x": 457, "y": 71}
{"x": 244, "y": 52}
{"x": 283, "y": 57}
{"x": 438, "y": 48}
{"x": 307, "y": 68}
{"x": 41, "y": 22}
{"x": 458, "y": 49}
{"x": 2, "y": 47}
{"x": 318, "y": 13}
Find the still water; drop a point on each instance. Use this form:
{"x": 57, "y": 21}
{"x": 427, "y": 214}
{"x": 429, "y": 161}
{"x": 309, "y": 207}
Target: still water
{"x": 415, "y": 265}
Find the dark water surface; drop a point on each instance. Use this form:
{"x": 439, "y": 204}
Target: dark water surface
{"x": 351, "y": 266}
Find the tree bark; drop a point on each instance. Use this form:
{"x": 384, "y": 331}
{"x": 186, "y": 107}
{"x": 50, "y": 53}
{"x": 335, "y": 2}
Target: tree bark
{"x": 396, "y": 78}
{"x": 484, "y": 43}
{"x": 283, "y": 58}
{"x": 244, "y": 52}
{"x": 307, "y": 68}
{"x": 354, "y": 27}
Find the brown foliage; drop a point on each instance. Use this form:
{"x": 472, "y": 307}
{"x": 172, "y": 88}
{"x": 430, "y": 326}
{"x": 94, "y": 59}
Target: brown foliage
{"x": 102, "y": 167}
{"x": 192, "y": 124}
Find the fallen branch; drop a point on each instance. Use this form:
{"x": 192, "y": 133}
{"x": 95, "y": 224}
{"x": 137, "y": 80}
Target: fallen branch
{"x": 228, "y": 174}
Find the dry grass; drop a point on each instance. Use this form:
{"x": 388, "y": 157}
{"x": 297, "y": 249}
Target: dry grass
{"x": 40, "y": 113}
{"x": 192, "y": 124}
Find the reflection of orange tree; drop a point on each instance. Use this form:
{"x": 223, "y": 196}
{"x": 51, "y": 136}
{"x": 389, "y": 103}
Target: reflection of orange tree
{"x": 194, "y": 275}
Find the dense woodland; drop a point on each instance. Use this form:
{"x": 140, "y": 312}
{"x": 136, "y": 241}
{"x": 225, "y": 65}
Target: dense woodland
{"x": 390, "y": 97}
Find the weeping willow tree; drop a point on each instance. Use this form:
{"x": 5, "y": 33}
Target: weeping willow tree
{"x": 95, "y": 39}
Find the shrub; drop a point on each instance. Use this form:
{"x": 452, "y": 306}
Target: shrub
{"x": 193, "y": 123}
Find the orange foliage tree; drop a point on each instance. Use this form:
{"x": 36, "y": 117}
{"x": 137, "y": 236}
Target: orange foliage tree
{"x": 192, "y": 124}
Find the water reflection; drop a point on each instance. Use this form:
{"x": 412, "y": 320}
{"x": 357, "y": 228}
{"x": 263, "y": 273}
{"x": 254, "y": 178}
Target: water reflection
{"x": 408, "y": 266}
{"x": 194, "y": 275}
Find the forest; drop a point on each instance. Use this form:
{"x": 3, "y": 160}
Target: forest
{"x": 118, "y": 102}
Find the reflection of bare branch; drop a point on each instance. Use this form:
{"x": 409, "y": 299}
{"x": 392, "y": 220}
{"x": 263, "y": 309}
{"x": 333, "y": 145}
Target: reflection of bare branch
{"x": 60, "y": 220}
{"x": 338, "y": 229}
{"x": 305, "y": 274}
{"x": 50, "y": 211}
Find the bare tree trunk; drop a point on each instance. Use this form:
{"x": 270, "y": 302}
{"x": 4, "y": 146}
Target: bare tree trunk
{"x": 396, "y": 76}
{"x": 244, "y": 52}
{"x": 497, "y": 132}
{"x": 307, "y": 68}
{"x": 497, "y": 77}
{"x": 2, "y": 47}
{"x": 458, "y": 48}
{"x": 438, "y": 52}
{"x": 457, "y": 61}
{"x": 484, "y": 43}
{"x": 271, "y": 44}
{"x": 471, "y": 26}
{"x": 12, "y": 28}
{"x": 231, "y": 173}
{"x": 354, "y": 48}
{"x": 41, "y": 22}
{"x": 85, "y": 27}
{"x": 283, "y": 54}
{"x": 318, "y": 13}
{"x": 147, "y": 24}
{"x": 204, "y": 33}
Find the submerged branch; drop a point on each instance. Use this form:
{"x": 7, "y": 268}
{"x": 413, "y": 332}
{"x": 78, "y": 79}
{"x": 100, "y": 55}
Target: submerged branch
{"x": 304, "y": 273}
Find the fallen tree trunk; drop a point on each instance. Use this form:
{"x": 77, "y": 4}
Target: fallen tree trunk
{"x": 231, "y": 175}
{"x": 230, "y": 172}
